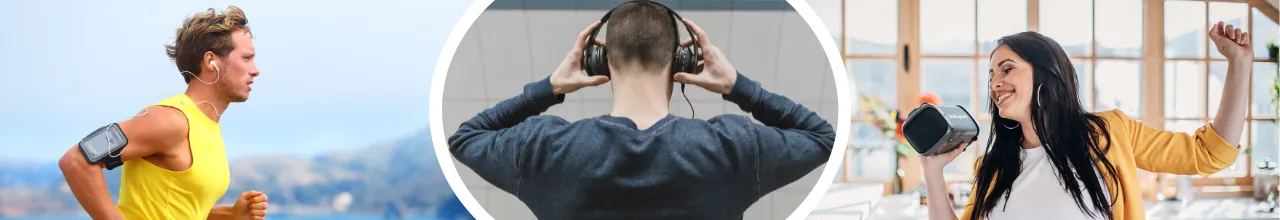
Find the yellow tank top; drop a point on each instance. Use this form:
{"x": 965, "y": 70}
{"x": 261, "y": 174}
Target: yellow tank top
{"x": 150, "y": 192}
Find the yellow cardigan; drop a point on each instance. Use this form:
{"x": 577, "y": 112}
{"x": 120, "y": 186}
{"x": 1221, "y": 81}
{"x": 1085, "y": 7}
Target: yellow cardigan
{"x": 1136, "y": 145}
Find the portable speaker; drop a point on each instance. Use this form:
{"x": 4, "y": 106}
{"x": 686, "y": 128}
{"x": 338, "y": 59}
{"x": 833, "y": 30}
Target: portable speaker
{"x": 596, "y": 63}
{"x": 936, "y": 129}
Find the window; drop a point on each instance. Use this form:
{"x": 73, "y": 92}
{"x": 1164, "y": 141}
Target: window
{"x": 1070, "y": 23}
{"x": 1194, "y": 75}
{"x": 1109, "y": 45}
{"x": 871, "y": 57}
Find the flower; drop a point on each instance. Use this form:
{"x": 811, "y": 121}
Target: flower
{"x": 929, "y": 97}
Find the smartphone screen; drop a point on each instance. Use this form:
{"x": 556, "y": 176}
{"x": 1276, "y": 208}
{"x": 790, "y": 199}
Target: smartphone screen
{"x": 100, "y": 144}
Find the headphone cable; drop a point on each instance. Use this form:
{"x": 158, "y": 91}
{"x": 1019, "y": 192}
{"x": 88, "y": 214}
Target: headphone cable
{"x": 693, "y": 113}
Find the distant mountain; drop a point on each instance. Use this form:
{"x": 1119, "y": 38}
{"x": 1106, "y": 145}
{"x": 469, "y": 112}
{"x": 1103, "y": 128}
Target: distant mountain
{"x": 25, "y": 174}
{"x": 400, "y": 175}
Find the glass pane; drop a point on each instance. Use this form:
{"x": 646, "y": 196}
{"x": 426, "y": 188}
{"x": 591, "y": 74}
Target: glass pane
{"x": 1217, "y": 76}
{"x": 1232, "y": 13}
{"x": 877, "y": 78}
{"x": 951, "y": 79}
{"x": 1264, "y": 143}
{"x": 866, "y": 37}
{"x": 947, "y": 27}
{"x": 1263, "y": 31}
{"x": 1184, "y": 30}
{"x": 1084, "y": 81}
{"x": 998, "y": 18}
{"x": 866, "y": 134}
{"x": 1121, "y": 88}
{"x": 870, "y": 151}
{"x": 1121, "y": 33}
{"x": 1264, "y": 75}
{"x": 1067, "y": 22}
{"x": 1184, "y": 93}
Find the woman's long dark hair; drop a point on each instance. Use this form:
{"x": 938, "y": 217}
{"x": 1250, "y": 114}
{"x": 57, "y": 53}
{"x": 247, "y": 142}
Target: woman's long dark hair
{"x": 1070, "y": 135}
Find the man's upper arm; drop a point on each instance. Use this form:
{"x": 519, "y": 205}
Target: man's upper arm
{"x": 781, "y": 156}
{"x": 501, "y": 156}
{"x": 792, "y": 141}
{"x": 157, "y": 131}
{"x": 494, "y": 142}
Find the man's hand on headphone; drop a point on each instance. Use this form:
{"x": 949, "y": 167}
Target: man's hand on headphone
{"x": 568, "y": 77}
{"x": 716, "y": 74}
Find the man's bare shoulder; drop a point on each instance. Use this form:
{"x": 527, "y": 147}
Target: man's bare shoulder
{"x": 156, "y": 127}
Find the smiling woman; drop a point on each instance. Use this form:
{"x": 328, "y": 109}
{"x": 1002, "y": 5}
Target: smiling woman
{"x": 1044, "y": 131}
{"x": 1137, "y": 58}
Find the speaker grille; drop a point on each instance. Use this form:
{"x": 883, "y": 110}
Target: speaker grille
{"x": 925, "y": 130}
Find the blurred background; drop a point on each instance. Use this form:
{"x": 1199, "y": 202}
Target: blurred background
{"x": 1148, "y": 58}
{"x": 336, "y": 128}
{"x": 516, "y": 42}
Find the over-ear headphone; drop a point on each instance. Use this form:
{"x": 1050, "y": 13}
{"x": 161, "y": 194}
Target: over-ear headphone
{"x": 596, "y": 62}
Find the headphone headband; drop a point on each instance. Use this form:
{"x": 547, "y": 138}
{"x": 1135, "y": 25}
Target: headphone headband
{"x": 674, "y": 22}
{"x": 595, "y": 60}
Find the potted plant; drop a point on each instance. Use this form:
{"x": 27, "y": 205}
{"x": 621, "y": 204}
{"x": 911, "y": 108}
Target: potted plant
{"x": 1272, "y": 50}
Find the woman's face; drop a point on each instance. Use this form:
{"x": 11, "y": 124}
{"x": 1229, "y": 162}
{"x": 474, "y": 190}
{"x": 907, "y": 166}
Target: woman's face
{"x": 1011, "y": 84}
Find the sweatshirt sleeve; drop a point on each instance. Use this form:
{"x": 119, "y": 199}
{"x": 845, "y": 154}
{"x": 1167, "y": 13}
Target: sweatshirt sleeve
{"x": 792, "y": 142}
{"x": 496, "y": 142}
{"x": 1203, "y": 152}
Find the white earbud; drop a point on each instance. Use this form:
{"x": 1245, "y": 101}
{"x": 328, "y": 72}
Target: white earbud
{"x": 215, "y": 80}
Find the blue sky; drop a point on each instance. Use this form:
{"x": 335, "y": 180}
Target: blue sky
{"x": 336, "y": 75}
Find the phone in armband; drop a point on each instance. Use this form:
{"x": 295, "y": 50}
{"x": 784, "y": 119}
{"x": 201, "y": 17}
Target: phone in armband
{"x": 104, "y": 146}
{"x": 938, "y": 129}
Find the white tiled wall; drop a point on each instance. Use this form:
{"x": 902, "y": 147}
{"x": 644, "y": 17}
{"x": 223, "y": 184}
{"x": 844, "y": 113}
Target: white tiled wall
{"x": 506, "y": 49}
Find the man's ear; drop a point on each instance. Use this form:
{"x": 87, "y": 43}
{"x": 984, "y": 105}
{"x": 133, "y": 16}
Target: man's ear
{"x": 209, "y": 61}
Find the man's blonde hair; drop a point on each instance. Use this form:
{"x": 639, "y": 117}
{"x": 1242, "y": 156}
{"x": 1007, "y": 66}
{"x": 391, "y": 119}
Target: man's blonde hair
{"x": 202, "y": 32}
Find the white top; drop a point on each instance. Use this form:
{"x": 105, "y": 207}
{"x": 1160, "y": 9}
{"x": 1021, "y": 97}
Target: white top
{"x": 1037, "y": 194}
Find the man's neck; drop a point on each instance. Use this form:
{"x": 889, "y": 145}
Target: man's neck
{"x": 642, "y": 97}
{"x": 206, "y": 99}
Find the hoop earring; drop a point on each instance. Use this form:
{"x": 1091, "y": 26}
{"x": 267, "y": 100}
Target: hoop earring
{"x": 1038, "y": 96}
{"x": 1016, "y": 125}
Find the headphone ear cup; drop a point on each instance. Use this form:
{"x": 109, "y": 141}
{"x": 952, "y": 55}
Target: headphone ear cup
{"x": 595, "y": 62}
{"x": 684, "y": 61}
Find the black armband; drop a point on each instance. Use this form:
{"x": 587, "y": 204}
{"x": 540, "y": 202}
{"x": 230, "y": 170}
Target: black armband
{"x": 104, "y": 146}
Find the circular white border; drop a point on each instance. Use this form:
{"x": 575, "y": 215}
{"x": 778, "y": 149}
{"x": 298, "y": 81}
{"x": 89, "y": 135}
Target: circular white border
{"x": 439, "y": 140}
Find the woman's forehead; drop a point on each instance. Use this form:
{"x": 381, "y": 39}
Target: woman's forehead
{"x": 1002, "y": 54}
